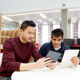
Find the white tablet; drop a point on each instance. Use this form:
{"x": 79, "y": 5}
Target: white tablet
{"x": 66, "y": 61}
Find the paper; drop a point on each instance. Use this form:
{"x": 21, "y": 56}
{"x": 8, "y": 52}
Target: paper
{"x": 53, "y": 55}
{"x": 66, "y": 61}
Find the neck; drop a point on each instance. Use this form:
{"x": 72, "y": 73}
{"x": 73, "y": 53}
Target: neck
{"x": 22, "y": 40}
{"x": 57, "y": 48}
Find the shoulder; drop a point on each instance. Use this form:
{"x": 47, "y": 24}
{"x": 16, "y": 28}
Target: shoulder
{"x": 46, "y": 44}
{"x": 10, "y": 41}
{"x": 65, "y": 46}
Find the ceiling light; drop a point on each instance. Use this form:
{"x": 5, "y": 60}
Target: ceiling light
{"x": 43, "y": 16}
{"x": 50, "y": 19}
{"x": 54, "y": 22}
{"x": 76, "y": 9}
{"x": 6, "y": 18}
{"x": 32, "y": 13}
{"x": 39, "y": 20}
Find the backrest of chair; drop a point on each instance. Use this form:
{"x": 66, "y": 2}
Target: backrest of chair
{"x": 1, "y": 54}
{"x": 69, "y": 42}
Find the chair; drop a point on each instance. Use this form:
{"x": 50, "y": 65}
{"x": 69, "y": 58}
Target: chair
{"x": 1, "y": 54}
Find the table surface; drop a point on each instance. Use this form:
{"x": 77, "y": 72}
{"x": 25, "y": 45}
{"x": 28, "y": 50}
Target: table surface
{"x": 47, "y": 74}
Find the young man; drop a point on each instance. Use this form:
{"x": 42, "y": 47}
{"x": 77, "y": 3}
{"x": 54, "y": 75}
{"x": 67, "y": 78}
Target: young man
{"x": 57, "y": 44}
{"x": 17, "y": 52}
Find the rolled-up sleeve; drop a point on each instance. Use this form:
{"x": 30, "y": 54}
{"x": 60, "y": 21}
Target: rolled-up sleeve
{"x": 9, "y": 62}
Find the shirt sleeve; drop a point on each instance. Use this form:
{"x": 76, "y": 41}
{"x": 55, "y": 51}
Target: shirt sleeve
{"x": 9, "y": 62}
{"x": 36, "y": 54}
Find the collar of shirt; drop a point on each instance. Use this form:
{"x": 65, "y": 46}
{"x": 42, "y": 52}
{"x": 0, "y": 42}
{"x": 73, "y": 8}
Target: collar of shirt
{"x": 57, "y": 48}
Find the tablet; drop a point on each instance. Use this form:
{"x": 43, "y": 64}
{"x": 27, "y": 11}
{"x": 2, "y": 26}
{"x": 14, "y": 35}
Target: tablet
{"x": 68, "y": 54}
{"x": 53, "y": 55}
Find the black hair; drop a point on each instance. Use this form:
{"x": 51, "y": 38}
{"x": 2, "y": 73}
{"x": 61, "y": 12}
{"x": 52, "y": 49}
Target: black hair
{"x": 57, "y": 32}
{"x": 27, "y": 23}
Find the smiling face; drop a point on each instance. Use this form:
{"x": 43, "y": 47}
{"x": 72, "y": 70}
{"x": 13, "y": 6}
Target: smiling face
{"x": 56, "y": 41}
{"x": 27, "y": 35}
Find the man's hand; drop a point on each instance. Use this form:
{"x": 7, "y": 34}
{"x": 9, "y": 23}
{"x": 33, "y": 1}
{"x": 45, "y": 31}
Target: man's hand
{"x": 43, "y": 62}
{"x": 75, "y": 60}
{"x": 53, "y": 65}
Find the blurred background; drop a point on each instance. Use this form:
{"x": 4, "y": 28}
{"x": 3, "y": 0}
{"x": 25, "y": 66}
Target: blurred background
{"x": 47, "y": 14}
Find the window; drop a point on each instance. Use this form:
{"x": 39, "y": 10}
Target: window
{"x": 55, "y": 26}
{"x": 79, "y": 30}
{"x": 44, "y": 33}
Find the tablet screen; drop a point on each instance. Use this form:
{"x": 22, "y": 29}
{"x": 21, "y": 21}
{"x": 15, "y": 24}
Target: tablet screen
{"x": 68, "y": 54}
{"x": 53, "y": 55}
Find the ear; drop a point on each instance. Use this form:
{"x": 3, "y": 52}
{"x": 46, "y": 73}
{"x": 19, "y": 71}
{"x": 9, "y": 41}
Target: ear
{"x": 21, "y": 30}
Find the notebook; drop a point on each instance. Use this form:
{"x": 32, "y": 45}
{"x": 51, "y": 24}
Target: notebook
{"x": 53, "y": 55}
{"x": 66, "y": 61}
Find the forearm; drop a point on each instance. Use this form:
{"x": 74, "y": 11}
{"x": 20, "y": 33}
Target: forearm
{"x": 27, "y": 66}
{"x": 41, "y": 63}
